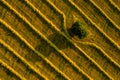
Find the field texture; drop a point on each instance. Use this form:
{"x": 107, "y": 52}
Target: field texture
{"x": 35, "y": 43}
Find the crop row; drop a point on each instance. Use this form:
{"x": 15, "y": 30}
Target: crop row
{"x": 29, "y": 54}
{"x": 54, "y": 40}
{"x": 7, "y": 62}
{"x": 101, "y": 22}
{"x": 24, "y": 40}
{"x": 45, "y": 7}
{"x": 50, "y": 43}
{"x": 116, "y": 2}
{"x": 108, "y": 12}
{"x": 97, "y": 54}
{"x": 6, "y": 74}
{"x": 57, "y": 46}
{"x": 93, "y": 29}
{"x": 106, "y": 40}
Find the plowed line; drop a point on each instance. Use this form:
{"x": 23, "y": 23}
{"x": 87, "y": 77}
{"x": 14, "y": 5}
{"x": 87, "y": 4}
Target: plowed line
{"x": 104, "y": 53}
{"x": 12, "y": 70}
{"x": 114, "y": 43}
{"x": 101, "y": 59}
{"x": 45, "y": 38}
{"x": 110, "y": 10}
{"x": 16, "y": 33}
{"x": 48, "y": 4}
{"x": 76, "y": 46}
{"x": 25, "y": 20}
{"x": 20, "y": 57}
{"x": 88, "y": 42}
{"x": 63, "y": 34}
{"x": 4, "y": 74}
{"x": 52, "y": 43}
{"x": 63, "y": 15}
{"x": 115, "y": 25}
{"x": 51, "y": 22}
{"x": 95, "y": 27}
{"x": 44, "y": 68}
{"x": 49, "y": 11}
{"x": 113, "y": 3}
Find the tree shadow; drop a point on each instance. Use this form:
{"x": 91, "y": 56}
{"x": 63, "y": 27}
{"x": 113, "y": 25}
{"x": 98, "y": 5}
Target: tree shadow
{"x": 60, "y": 41}
{"x": 57, "y": 39}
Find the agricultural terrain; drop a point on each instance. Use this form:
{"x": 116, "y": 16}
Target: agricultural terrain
{"x": 35, "y": 43}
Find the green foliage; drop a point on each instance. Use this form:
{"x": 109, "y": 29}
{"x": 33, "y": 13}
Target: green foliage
{"x": 79, "y": 30}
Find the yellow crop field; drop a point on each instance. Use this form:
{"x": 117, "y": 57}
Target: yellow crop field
{"x": 59, "y": 40}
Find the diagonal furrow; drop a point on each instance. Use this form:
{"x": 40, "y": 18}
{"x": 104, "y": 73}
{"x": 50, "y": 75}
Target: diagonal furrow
{"x": 39, "y": 42}
{"x": 33, "y": 68}
{"x": 45, "y": 38}
{"x": 110, "y": 58}
{"x": 57, "y": 49}
{"x": 114, "y": 4}
{"x": 101, "y": 30}
{"x": 45, "y": 7}
{"x": 90, "y": 21}
{"x": 64, "y": 17}
{"x": 104, "y": 13}
{"x": 102, "y": 43}
{"x": 34, "y": 49}
{"x": 13, "y": 51}
{"x": 103, "y": 52}
{"x": 30, "y": 56}
{"x": 78, "y": 48}
{"x": 59, "y": 11}
{"x": 6, "y": 72}
{"x": 101, "y": 58}
{"x": 10, "y": 59}
{"x": 12, "y": 70}
{"x": 96, "y": 26}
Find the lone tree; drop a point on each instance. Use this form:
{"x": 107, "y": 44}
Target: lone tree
{"x": 79, "y": 30}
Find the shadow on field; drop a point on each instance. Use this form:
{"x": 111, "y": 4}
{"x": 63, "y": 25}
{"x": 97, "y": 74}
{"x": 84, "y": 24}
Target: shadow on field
{"x": 58, "y": 40}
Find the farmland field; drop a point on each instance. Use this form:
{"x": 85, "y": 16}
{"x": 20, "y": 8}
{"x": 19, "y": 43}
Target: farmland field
{"x": 35, "y": 43}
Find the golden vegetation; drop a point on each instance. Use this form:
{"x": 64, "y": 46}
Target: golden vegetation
{"x": 35, "y": 43}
